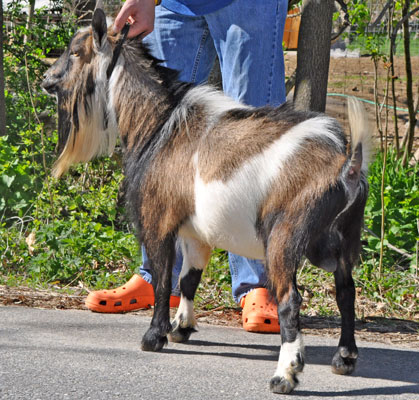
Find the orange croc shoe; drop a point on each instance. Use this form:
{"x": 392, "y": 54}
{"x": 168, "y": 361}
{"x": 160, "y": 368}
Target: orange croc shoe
{"x": 135, "y": 294}
{"x": 260, "y": 312}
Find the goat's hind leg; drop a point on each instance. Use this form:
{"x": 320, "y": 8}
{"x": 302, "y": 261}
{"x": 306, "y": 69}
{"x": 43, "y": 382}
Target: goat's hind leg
{"x": 161, "y": 256}
{"x": 350, "y": 225}
{"x": 345, "y": 358}
{"x": 332, "y": 253}
{"x": 291, "y": 355}
{"x": 195, "y": 259}
{"x": 282, "y": 267}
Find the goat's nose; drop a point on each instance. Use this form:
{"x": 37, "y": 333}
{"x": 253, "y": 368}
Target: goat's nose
{"x": 48, "y": 84}
{"x": 45, "y": 76}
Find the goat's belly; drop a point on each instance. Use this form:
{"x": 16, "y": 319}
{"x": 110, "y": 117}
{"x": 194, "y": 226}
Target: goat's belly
{"x": 234, "y": 236}
{"x": 225, "y": 217}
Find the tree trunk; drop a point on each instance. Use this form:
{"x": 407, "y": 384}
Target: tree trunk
{"x": 409, "y": 84}
{"x": 2, "y": 98}
{"x": 28, "y": 37}
{"x": 393, "y": 79}
{"x": 313, "y": 55}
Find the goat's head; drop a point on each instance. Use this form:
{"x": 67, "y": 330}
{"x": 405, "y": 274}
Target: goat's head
{"x": 79, "y": 81}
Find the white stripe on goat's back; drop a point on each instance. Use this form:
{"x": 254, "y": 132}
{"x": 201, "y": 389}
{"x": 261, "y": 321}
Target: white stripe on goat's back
{"x": 226, "y": 210}
{"x": 214, "y": 101}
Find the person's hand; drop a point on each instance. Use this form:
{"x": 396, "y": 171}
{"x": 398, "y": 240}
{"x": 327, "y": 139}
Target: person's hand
{"x": 140, "y": 14}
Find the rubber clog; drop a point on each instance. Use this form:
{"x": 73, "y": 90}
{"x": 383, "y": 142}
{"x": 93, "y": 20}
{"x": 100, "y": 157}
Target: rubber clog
{"x": 260, "y": 312}
{"x": 134, "y": 295}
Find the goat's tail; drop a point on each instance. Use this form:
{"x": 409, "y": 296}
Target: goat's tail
{"x": 361, "y": 136}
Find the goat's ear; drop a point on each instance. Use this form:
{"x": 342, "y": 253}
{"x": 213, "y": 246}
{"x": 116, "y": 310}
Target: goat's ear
{"x": 99, "y": 28}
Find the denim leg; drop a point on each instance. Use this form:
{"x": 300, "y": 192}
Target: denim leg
{"x": 184, "y": 43}
{"x": 246, "y": 275}
{"x": 248, "y": 38}
{"x": 186, "y": 46}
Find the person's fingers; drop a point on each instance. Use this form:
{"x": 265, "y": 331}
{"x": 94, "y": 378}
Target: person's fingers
{"x": 122, "y": 17}
{"x": 136, "y": 30}
{"x": 140, "y": 15}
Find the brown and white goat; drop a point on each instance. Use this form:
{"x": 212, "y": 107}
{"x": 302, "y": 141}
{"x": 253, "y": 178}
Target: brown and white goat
{"x": 267, "y": 183}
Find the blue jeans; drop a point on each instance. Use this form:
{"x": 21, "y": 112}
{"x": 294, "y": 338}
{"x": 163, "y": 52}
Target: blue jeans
{"x": 247, "y": 37}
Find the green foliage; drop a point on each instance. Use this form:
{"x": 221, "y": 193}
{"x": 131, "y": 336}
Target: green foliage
{"x": 25, "y": 51}
{"x": 23, "y": 151}
{"x": 375, "y": 44}
{"x": 21, "y": 171}
{"x": 401, "y": 200}
{"x": 396, "y": 285}
{"x": 52, "y": 230}
{"x": 360, "y": 17}
{"x": 74, "y": 231}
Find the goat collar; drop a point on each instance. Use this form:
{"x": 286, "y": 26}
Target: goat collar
{"x": 117, "y": 50}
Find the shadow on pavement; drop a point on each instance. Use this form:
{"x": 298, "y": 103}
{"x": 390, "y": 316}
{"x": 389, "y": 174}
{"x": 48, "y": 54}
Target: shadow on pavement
{"x": 380, "y": 391}
{"x": 374, "y": 363}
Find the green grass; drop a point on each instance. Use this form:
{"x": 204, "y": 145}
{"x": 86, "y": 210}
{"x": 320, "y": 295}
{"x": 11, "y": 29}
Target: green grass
{"x": 359, "y": 42}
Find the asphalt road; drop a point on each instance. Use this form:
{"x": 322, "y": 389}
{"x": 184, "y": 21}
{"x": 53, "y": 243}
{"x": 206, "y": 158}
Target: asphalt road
{"x": 52, "y": 354}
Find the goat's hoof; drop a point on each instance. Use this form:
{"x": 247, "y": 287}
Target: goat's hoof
{"x": 153, "y": 341}
{"x": 180, "y": 334}
{"x": 282, "y": 385}
{"x": 344, "y": 361}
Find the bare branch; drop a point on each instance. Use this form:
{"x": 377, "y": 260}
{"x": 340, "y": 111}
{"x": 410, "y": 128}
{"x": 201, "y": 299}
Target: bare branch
{"x": 400, "y": 23}
{"x": 345, "y": 23}
{"x": 382, "y": 13}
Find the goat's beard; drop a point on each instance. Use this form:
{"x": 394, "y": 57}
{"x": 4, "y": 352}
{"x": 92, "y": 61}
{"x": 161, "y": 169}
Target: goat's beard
{"x": 64, "y": 124}
{"x": 84, "y": 133}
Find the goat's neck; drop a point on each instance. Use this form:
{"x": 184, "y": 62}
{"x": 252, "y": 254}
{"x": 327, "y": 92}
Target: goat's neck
{"x": 140, "y": 104}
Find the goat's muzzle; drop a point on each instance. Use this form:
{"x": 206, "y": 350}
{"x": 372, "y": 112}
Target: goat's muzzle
{"x": 49, "y": 84}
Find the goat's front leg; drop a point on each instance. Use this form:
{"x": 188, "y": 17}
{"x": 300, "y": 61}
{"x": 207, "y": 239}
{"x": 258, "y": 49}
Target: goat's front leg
{"x": 195, "y": 259}
{"x": 345, "y": 358}
{"x": 161, "y": 257}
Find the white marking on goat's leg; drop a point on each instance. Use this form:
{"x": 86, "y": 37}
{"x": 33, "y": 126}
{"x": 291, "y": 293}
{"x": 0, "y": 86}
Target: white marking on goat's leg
{"x": 291, "y": 362}
{"x": 184, "y": 323}
{"x": 290, "y": 355}
{"x": 195, "y": 258}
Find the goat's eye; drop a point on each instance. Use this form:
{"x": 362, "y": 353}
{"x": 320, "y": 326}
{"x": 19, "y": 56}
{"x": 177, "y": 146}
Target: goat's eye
{"x": 75, "y": 54}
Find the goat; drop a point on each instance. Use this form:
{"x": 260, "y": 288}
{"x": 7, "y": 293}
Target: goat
{"x": 275, "y": 184}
